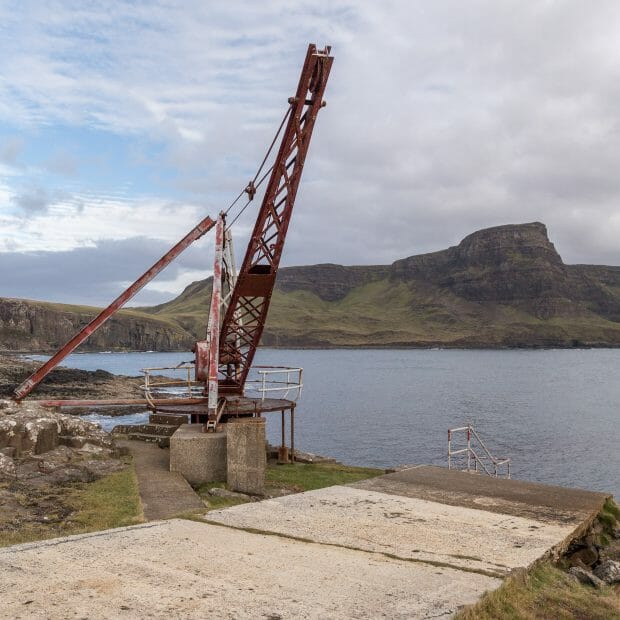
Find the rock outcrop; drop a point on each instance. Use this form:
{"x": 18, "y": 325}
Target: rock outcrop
{"x": 608, "y": 571}
{"x": 67, "y": 382}
{"x": 28, "y": 429}
{"x": 328, "y": 281}
{"x": 44, "y": 457}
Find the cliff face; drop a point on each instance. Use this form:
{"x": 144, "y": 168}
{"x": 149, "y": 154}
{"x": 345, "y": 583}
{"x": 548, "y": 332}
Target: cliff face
{"x": 503, "y": 286}
{"x": 506, "y": 264}
{"x": 34, "y": 326}
{"x": 328, "y": 281}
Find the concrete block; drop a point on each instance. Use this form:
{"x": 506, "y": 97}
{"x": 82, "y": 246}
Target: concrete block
{"x": 199, "y": 457}
{"x": 168, "y": 418}
{"x": 247, "y": 456}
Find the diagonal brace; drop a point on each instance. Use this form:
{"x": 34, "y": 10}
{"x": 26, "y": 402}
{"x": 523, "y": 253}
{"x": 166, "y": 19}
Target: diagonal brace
{"x": 35, "y": 378}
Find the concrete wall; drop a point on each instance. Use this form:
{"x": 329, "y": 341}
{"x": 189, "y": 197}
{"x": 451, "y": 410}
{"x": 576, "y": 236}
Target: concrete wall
{"x": 246, "y": 455}
{"x": 199, "y": 457}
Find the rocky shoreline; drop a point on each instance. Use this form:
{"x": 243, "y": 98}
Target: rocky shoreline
{"x": 43, "y": 455}
{"x": 67, "y": 382}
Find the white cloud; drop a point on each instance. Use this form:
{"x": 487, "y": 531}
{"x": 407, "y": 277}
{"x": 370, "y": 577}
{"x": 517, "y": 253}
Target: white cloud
{"x": 442, "y": 117}
{"x": 64, "y": 226}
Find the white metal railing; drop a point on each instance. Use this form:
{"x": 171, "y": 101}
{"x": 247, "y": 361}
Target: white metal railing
{"x": 477, "y": 461}
{"x": 284, "y": 380}
{"x": 180, "y": 384}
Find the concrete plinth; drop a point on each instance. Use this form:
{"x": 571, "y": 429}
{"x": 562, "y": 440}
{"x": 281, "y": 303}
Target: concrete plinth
{"x": 246, "y": 455}
{"x": 199, "y": 457}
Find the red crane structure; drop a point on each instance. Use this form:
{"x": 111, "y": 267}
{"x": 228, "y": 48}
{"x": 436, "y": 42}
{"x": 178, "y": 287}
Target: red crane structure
{"x": 239, "y": 304}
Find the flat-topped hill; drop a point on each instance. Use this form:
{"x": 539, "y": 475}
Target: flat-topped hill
{"x": 505, "y": 286}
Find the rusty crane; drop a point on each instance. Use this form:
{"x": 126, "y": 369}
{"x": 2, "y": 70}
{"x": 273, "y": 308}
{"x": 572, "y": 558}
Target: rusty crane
{"x": 239, "y": 303}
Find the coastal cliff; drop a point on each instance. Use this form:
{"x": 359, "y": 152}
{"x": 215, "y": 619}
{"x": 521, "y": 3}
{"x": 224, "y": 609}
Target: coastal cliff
{"x": 38, "y": 326}
{"x": 502, "y": 286}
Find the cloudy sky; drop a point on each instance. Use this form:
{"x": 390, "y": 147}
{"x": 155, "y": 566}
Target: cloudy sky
{"x": 122, "y": 124}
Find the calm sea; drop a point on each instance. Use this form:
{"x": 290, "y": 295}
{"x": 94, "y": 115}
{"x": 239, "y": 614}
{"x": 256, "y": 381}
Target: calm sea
{"x": 556, "y": 413}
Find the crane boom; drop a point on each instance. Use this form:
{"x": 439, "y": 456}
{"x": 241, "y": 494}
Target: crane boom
{"x": 245, "y": 316}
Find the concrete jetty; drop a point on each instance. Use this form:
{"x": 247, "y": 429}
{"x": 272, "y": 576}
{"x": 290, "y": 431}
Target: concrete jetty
{"x": 418, "y": 543}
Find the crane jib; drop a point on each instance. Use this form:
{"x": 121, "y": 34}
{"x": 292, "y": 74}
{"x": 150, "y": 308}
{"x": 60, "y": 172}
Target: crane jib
{"x": 246, "y": 314}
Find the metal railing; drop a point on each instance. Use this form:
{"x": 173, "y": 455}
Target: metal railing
{"x": 155, "y": 382}
{"x": 283, "y": 379}
{"x": 481, "y": 461}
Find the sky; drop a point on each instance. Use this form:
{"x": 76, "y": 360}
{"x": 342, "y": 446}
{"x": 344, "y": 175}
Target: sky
{"x": 123, "y": 124}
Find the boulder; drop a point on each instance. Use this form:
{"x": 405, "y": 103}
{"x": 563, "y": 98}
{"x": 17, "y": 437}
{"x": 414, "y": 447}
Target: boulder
{"x": 217, "y": 492}
{"x": 586, "y": 577}
{"x": 32, "y": 429}
{"x": 608, "y": 571}
{"x": 585, "y": 556}
{"x": 41, "y": 435}
{"x": 8, "y": 432}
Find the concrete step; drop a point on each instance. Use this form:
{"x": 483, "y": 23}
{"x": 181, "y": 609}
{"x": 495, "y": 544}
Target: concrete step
{"x": 175, "y": 419}
{"x": 161, "y": 430}
{"x": 163, "y": 442}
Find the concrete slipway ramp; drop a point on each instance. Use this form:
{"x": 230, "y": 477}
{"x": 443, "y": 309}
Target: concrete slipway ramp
{"x": 413, "y": 544}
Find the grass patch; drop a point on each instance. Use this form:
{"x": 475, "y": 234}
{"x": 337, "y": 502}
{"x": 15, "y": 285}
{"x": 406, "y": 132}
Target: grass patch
{"x": 610, "y": 514}
{"x": 112, "y": 501}
{"x": 310, "y": 476}
{"x": 545, "y": 592}
{"x": 296, "y": 477}
{"x": 214, "y": 502}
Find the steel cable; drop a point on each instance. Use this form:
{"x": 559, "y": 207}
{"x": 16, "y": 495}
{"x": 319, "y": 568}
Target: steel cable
{"x": 260, "y": 168}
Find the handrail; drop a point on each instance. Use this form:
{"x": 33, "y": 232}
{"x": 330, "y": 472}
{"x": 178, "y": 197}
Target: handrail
{"x": 266, "y": 384}
{"x": 472, "y": 455}
{"x": 267, "y": 381}
{"x": 151, "y": 383}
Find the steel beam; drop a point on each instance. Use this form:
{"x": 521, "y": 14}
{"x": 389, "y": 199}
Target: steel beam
{"x": 110, "y": 402}
{"x": 246, "y": 314}
{"x": 35, "y": 378}
{"x": 213, "y": 325}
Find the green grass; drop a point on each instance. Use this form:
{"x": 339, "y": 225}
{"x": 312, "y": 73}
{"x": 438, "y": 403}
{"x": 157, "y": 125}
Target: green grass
{"x": 112, "y": 501}
{"x": 295, "y": 478}
{"x": 545, "y": 593}
{"x": 214, "y": 502}
{"x": 307, "y": 477}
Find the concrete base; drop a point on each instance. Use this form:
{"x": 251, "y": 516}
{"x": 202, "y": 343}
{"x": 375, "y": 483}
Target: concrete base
{"x": 246, "y": 455}
{"x": 199, "y": 457}
{"x": 188, "y": 570}
{"x": 414, "y": 544}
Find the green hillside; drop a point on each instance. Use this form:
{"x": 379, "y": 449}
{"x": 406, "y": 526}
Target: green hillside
{"x": 503, "y": 286}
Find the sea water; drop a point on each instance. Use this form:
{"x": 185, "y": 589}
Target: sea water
{"x": 555, "y": 413}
